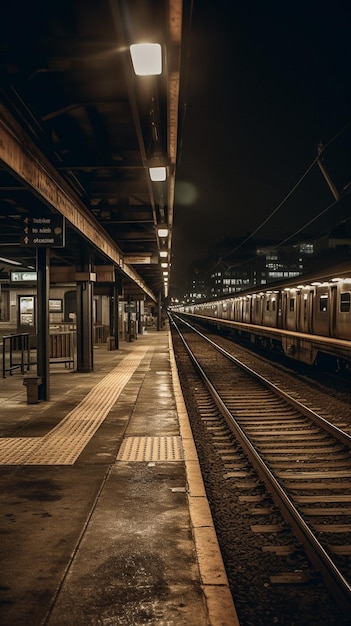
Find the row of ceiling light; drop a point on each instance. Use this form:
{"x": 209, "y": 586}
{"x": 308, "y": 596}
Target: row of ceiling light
{"x": 147, "y": 61}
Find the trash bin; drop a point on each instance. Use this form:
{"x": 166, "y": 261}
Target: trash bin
{"x": 111, "y": 343}
{"x": 32, "y": 382}
{"x": 131, "y": 335}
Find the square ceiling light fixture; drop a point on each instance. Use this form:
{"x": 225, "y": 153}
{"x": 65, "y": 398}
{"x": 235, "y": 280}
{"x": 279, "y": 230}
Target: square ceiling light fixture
{"x": 146, "y": 58}
{"x": 158, "y": 174}
{"x": 157, "y": 164}
{"x": 162, "y": 231}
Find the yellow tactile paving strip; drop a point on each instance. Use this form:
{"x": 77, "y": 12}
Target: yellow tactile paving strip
{"x": 64, "y": 443}
{"x": 158, "y": 448}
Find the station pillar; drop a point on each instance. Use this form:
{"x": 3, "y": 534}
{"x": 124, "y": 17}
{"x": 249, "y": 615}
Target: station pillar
{"x": 114, "y": 319}
{"x": 159, "y": 312}
{"x": 43, "y": 348}
{"x": 140, "y": 317}
{"x": 85, "y": 353}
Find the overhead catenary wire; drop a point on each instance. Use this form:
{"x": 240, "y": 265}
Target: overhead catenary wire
{"x": 289, "y": 194}
{"x": 274, "y": 211}
{"x": 294, "y": 234}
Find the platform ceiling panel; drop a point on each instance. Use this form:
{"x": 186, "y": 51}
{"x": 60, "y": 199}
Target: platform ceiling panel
{"x": 82, "y": 122}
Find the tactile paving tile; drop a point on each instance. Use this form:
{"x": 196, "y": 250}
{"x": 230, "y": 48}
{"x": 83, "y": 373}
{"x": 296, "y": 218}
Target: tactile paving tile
{"x": 15, "y": 450}
{"x": 64, "y": 443}
{"x": 159, "y": 448}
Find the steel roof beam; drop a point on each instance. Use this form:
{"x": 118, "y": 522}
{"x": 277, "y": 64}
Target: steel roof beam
{"x": 21, "y": 157}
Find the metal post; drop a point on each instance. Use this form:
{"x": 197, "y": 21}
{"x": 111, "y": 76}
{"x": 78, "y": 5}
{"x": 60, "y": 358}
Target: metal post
{"x": 114, "y": 320}
{"x": 159, "y": 312}
{"x": 85, "y": 356}
{"x": 43, "y": 351}
{"x": 328, "y": 180}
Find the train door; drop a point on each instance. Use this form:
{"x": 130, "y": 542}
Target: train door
{"x": 279, "y": 310}
{"x": 306, "y": 308}
{"x": 309, "y": 312}
{"x": 321, "y": 311}
{"x": 283, "y": 305}
{"x": 333, "y": 298}
{"x": 343, "y": 309}
{"x": 257, "y": 309}
{"x": 246, "y": 309}
{"x": 291, "y": 309}
{"x": 259, "y": 303}
{"x": 239, "y": 309}
{"x": 249, "y": 305}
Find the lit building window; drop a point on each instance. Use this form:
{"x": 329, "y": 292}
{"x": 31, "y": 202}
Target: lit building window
{"x": 306, "y": 248}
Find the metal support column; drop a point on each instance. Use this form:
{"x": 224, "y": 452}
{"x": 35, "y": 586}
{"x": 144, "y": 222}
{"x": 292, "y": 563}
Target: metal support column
{"x": 140, "y": 323}
{"x": 130, "y": 335}
{"x": 114, "y": 320}
{"x": 159, "y": 312}
{"x": 43, "y": 349}
{"x": 85, "y": 355}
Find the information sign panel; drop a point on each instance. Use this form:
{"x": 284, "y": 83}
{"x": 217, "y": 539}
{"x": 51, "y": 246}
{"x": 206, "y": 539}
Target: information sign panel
{"x": 46, "y": 232}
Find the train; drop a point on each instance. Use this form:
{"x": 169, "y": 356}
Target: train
{"x": 307, "y": 318}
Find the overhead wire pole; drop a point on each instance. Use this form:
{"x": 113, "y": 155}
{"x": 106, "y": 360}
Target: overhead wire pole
{"x": 328, "y": 180}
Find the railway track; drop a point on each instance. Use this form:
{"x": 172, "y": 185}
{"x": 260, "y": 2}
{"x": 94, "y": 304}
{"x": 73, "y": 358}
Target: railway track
{"x": 303, "y": 459}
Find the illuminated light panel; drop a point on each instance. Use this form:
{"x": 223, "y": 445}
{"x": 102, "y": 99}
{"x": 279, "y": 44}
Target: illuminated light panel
{"x": 146, "y": 59}
{"x": 157, "y": 174}
{"x": 162, "y": 232}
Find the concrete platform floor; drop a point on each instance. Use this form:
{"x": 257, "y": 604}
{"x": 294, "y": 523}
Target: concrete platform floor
{"x": 103, "y": 515}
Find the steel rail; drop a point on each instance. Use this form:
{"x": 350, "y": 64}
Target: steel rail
{"x": 333, "y": 578}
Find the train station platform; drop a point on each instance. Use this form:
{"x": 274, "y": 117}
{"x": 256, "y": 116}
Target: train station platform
{"x": 104, "y": 516}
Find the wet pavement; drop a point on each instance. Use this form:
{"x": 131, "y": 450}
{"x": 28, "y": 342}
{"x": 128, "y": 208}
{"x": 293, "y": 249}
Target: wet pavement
{"x": 95, "y": 533}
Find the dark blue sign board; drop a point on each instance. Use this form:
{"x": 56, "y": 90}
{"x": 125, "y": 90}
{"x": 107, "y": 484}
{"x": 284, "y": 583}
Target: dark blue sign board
{"x": 46, "y": 232}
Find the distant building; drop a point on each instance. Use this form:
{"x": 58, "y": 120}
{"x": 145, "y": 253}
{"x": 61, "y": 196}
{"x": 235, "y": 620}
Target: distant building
{"x": 198, "y": 283}
{"x": 261, "y": 263}
{"x": 234, "y": 267}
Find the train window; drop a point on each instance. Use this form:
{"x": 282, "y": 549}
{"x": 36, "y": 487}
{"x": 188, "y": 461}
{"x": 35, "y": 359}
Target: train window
{"x": 345, "y": 302}
{"x": 267, "y": 305}
{"x": 323, "y": 303}
{"x": 273, "y": 305}
{"x": 292, "y": 304}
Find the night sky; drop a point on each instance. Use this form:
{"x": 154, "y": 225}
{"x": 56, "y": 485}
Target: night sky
{"x": 264, "y": 83}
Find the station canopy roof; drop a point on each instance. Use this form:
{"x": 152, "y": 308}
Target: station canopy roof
{"x": 79, "y": 131}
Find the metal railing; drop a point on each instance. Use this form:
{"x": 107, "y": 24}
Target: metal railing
{"x": 15, "y": 353}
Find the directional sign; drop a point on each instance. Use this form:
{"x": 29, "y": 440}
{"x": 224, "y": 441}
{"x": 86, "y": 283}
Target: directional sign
{"x": 43, "y": 231}
{"x": 23, "y": 277}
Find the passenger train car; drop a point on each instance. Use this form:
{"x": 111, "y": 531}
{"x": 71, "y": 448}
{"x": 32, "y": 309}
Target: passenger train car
{"x": 308, "y": 318}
